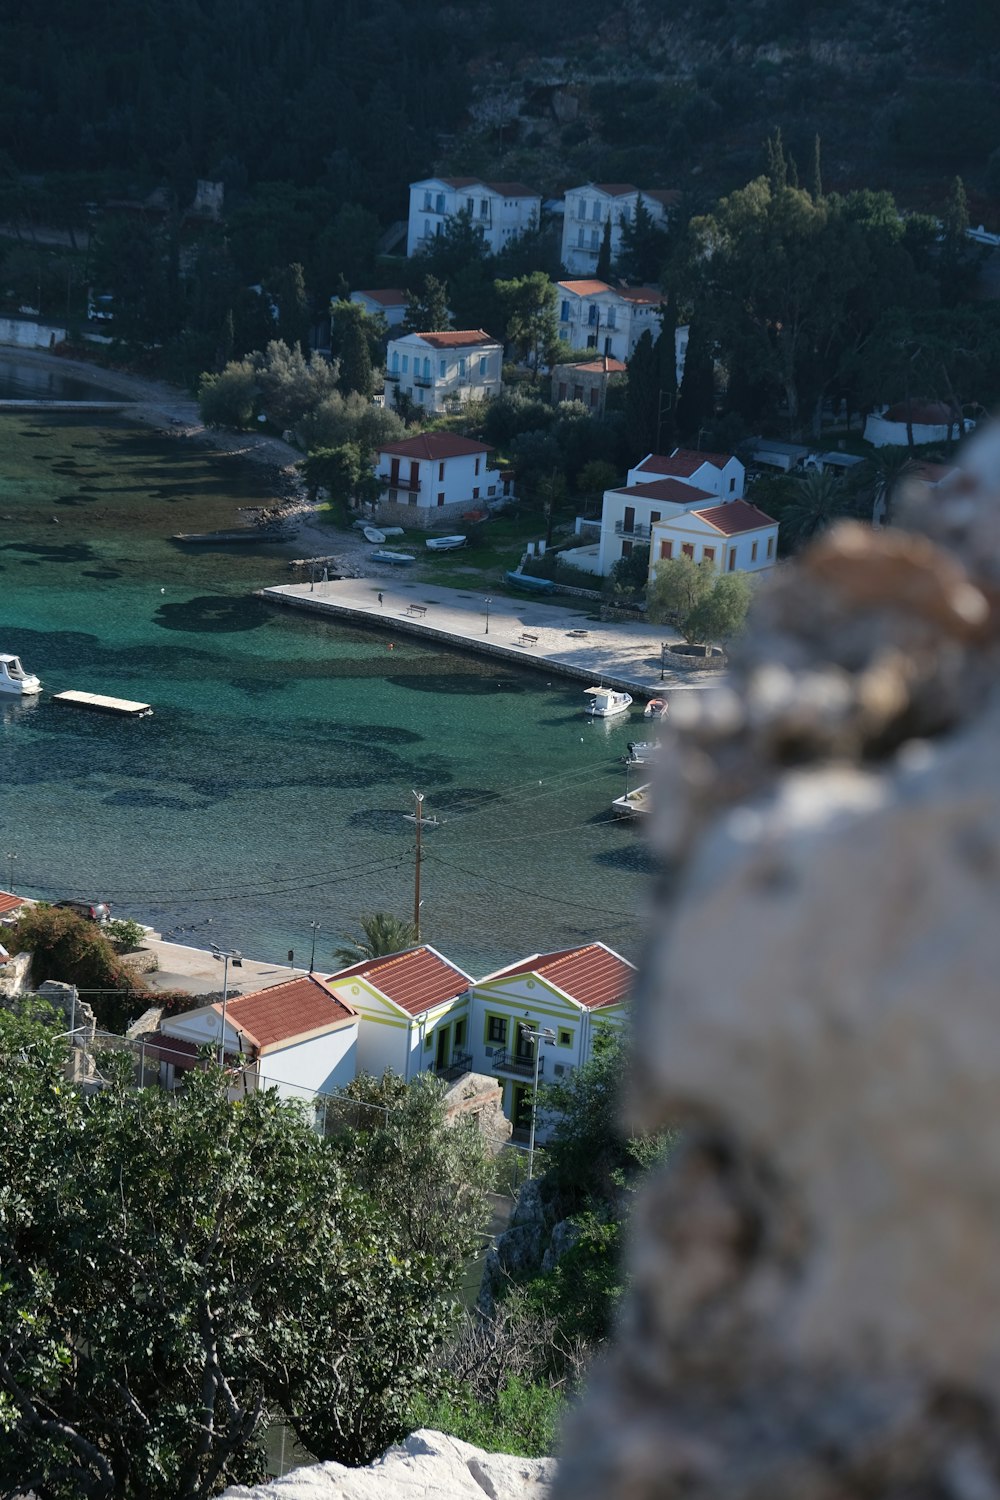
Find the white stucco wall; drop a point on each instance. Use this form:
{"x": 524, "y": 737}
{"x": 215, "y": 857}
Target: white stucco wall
{"x": 504, "y": 218}
{"x": 433, "y": 378}
{"x": 685, "y": 529}
{"x": 458, "y": 485}
{"x": 320, "y": 1064}
{"x": 24, "y": 333}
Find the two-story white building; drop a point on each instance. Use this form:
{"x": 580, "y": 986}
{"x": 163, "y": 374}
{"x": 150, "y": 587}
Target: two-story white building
{"x": 735, "y": 537}
{"x": 612, "y": 320}
{"x": 387, "y": 302}
{"x": 719, "y": 474}
{"x": 500, "y": 211}
{"x": 413, "y": 1010}
{"x": 436, "y": 476}
{"x": 441, "y": 371}
{"x": 573, "y": 993}
{"x": 588, "y": 208}
{"x": 297, "y": 1037}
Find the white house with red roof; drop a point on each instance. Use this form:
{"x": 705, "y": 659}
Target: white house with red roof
{"x": 298, "y": 1037}
{"x": 590, "y": 206}
{"x": 441, "y": 371}
{"x": 718, "y": 474}
{"x": 612, "y": 320}
{"x": 434, "y": 477}
{"x": 573, "y": 993}
{"x": 500, "y": 211}
{"x": 735, "y": 537}
{"x": 413, "y": 1009}
{"x": 387, "y": 302}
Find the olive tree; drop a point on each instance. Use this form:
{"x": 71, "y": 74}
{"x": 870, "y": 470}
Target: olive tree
{"x": 175, "y": 1271}
{"x": 706, "y": 607}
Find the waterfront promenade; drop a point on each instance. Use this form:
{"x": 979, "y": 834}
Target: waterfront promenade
{"x": 558, "y": 638}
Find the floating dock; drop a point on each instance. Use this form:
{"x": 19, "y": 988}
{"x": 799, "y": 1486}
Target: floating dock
{"x": 103, "y": 705}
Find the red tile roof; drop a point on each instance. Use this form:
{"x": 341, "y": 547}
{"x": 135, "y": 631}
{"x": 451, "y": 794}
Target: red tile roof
{"x": 615, "y": 189}
{"x": 274, "y": 1017}
{"x": 389, "y": 296}
{"x": 593, "y": 976}
{"x": 586, "y": 288}
{"x": 667, "y": 489}
{"x": 603, "y": 366}
{"x": 435, "y": 445}
{"x": 665, "y": 196}
{"x": 458, "y": 338}
{"x": 416, "y": 980}
{"x": 736, "y": 516}
{"x": 924, "y": 413}
{"x": 644, "y": 294}
{"x": 9, "y": 903}
{"x": 505, "y": 189}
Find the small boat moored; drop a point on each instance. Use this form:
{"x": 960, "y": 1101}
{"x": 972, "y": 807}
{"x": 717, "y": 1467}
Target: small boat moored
{"x": 15, "y": 680}
{"x": 640, "y": 753}
{"x": 606, "y": 702}
{"x": 386, "y": 555}
{"x": 444, "y": 543}
{"x": 372, "y": 534}
{"x": 391, "y": 530}
{"x": 656, "y": 708}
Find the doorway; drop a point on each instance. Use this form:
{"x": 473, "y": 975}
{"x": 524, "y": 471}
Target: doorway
{"x": 441, "y": 1054}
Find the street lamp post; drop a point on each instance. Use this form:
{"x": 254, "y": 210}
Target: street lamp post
{"x": 487, "y": 602}
{"x": 234, "y": 956}
{"x": 535, "y": 1034}
{"x": 10, "y": 863}
{"x": 312, "y": 951}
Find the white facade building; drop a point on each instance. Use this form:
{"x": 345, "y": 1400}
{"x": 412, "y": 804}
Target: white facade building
{"x": 735, "y": 537}
{"x": 499, "y": 210}
{"x": 719, "y": 474}
{"x": 588, "y": 208}
{"x": 929, "y": 422}
{"x": 441, "y": 371}
{"x": 414, "y": 1012}
{"x": 297, "y": 1037}
{"x": 574, "y": 993}
{"x": 390, "y": 302}
{"x": 434, "y": 476}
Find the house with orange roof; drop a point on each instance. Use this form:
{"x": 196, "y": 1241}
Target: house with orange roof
{"x": 442, "y": 370}
{"x": 589, "y": 207}
{"x": 573, "y": 994}
{"x": 384, "y": 302}
{"x": 298, "y": 1037}
{"x": 498, "y": 211}
{"x": 413, "y": 1009}
{"x": 436, "y": 476}
{"x": 612, "y": 319}
{"x": 735, "y": 537}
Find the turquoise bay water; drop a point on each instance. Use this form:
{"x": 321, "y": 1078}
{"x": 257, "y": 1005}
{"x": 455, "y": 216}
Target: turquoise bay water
{"x": 269, "y": 788}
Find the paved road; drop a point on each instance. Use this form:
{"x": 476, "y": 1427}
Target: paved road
{"x": 566, "y": 640}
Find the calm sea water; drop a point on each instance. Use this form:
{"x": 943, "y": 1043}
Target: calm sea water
{"x": 268, "y": 790}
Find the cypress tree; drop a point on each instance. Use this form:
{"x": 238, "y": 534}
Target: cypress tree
{"x": 696, "y": 400}
{"x": 642, "y": 398}
{"x": 603, "y": 272}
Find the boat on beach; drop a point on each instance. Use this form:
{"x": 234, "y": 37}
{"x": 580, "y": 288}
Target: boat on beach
{"x": 372, "y": 534}
{"x": 605, "y": 703}
{"x": 15, "y": 681}
{"x": 386, "y": 555}
{"x": 444, "y": 543}
{"x": 235, "y": 534}
{"x": 391, "y": 530}
{"x": 526, "y": 581}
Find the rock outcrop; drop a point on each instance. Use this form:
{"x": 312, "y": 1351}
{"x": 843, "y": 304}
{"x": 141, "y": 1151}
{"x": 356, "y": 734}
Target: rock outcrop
{"x": 817, "y": 1269}
{"x": 427, "y": 1466}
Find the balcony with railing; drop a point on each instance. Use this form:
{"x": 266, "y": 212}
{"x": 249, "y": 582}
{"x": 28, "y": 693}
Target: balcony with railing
{"x": 460, "y": 1062}
{"x": 638, "y": 532}
{"x": 397, "y": 482}
{"x": 425, "y": 380}
{"x": 518, "y": 1064}
{"x": 392, "y": 375}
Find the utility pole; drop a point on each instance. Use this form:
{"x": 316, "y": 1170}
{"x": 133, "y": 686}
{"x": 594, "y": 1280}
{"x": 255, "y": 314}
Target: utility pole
{"x": 10, "y": 863}
{"x": 417, "y": 821}
{"x": 234, "y": 955}
{"x": 535, "y": 1034}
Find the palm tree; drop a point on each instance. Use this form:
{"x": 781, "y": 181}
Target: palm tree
{"x": 819, "y": 499}
{"x": 383, "y": 934}
{"x": 881, "y": 479}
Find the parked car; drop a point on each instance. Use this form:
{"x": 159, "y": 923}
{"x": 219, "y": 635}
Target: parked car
{"x": 94, "y": 911}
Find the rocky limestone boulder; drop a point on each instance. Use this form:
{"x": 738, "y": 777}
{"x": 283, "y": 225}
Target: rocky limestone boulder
{"x": 816, "y": 1270}
{"x": 427, "y": 1466}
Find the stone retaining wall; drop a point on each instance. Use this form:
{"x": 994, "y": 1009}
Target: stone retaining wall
{"x": 680, "y": 661}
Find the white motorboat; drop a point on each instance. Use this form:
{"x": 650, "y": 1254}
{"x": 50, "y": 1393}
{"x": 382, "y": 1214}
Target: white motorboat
{"x": 445, "y": 543}
{"x": 391, "y": 530}
{"x": 15, "y": 680}
{"x": 656, "y": 708}
{"x": 386, "y": 555}
{"x": 372, "y": 534}
{"x": 606, "y": 702}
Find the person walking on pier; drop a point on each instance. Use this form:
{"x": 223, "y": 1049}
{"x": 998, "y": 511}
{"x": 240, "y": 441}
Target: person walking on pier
{"x": 380, "y": 601}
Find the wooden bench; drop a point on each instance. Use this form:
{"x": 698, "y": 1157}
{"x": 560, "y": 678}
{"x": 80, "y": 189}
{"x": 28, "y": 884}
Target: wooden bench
{"x": 416, "y": 609}
{"x": 526, "y": 638}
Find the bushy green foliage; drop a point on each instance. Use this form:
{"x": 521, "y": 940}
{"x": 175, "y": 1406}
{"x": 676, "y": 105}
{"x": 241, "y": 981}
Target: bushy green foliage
{"x": 72, "y": 949}
{"x": 705, "y": 606}
{"x": 524, "y": 1418}
{"x": 174, "y": 1270}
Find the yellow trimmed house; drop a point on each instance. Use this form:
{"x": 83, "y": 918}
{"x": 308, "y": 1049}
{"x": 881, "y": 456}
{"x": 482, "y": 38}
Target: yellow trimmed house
{"x": 413, "y": 1012}
{"x": 574, "y": 993}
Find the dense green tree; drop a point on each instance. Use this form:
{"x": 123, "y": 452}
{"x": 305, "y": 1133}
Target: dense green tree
{"x": 721, "y": 614}
{"x": 356, "y": 342}
{"x": 174, "y": 1269}
{"x": 346, "y": 248}
{"x": 642, "y": 397}
{"x": 231, "y": 398}
{"x": 696, "y": 396}
{"x": 644, "y": 247}
{"x": 819, "y": 499}
{"x": 427, "y": 307}
{"x": 593, "y": 479}
{"x": 701, "y": 603}
{"x": 292, "y": 384}
{"x": 603, "y": 270}
{"x": 528, "y": 310}
{"x": 294, "y": 313}
{"x": 350, "y": 419}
